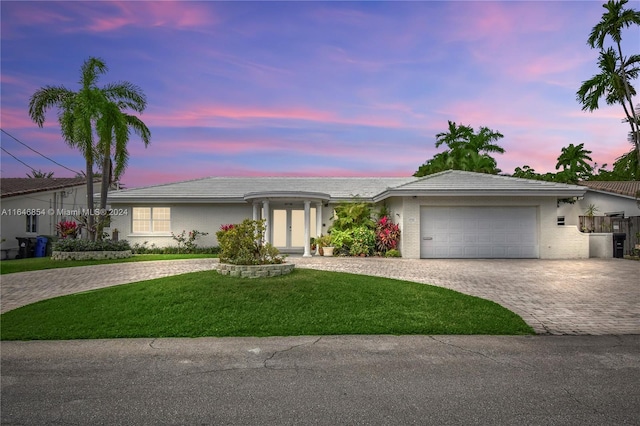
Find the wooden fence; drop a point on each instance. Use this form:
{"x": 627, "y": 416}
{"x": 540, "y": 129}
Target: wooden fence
{"x": 628, "y": 225}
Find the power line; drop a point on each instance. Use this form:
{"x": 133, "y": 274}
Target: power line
{"x": 32, "y": 169}
{"x": 40, "y": 154}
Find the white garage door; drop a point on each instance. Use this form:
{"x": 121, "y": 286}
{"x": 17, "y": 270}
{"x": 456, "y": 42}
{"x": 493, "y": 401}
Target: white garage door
{"x": 478, "y": 232}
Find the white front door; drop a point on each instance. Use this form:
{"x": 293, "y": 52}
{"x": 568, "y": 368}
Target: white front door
{"x": 288, "y": 228}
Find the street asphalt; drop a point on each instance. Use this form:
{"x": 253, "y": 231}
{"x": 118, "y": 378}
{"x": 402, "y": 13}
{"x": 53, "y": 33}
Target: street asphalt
{"x": 329, "y": 380}
{"x": 584, "y": 368}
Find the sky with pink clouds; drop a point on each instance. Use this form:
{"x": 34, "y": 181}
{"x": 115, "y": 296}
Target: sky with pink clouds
{"x": 312, "y": 88}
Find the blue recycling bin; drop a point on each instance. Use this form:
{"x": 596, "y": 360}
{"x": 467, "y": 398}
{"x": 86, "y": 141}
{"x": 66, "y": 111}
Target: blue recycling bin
{"x": 41, "y": 247}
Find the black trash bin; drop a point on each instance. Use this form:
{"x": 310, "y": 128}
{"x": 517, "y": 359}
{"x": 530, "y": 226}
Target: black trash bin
{"x": 618, "y": 244}
{"x": 26, "y": 247}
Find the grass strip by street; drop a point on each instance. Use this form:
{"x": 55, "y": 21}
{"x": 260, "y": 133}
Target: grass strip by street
{"x": 40, "y": 263}
{"x": 305, "y": 302}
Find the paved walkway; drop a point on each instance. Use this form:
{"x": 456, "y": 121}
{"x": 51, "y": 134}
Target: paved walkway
{"x": 594, "y": 296}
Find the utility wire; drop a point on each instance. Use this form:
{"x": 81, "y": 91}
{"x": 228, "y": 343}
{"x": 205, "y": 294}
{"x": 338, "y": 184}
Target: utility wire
{"x": 40, "y": 154}
{"x": 32, "y": 169}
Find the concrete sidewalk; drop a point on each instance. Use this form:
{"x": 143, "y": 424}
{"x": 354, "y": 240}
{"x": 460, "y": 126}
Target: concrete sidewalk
{"x": 592, "y": 296}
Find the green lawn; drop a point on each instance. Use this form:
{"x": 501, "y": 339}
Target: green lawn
{"x": 305, "y": 302}
{"x": 38, "y": 263}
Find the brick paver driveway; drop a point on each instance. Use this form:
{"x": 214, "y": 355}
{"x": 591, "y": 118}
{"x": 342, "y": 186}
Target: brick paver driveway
{"x": 594, "y": 296}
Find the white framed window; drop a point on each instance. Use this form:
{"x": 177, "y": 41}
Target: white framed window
{"x": 149, "y": 220}
{"x": 32, "y": 224}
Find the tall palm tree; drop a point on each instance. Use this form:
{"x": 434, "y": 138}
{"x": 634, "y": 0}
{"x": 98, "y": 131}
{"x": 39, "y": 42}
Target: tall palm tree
{"x": 573, "y": 160}
{"x": 113, "y": 128}
{"x": 77, "y": 111}
{"x": 95, "y": 111}
{"x": 611, "y": 24}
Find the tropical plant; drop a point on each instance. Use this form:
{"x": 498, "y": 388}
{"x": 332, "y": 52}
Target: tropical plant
{"x": 243, "y": 244}
{"x": 392, "y": 253}
{"x": 573, "y": 160}
{"x": 387, "y": 235}
{"x": 352, "y": 214}
{"x": 94, "y": 111}
{"x": 341, "y": 240}
{"x": 466, "y": 150}
{"x": 77, "y": 111}
{"x": 39, "y": 174}
{"x": 363, "y": 242}
{"x": 67, "y": 229}
{"x": 616, "y": 69}
{"x": 113, "y": 129}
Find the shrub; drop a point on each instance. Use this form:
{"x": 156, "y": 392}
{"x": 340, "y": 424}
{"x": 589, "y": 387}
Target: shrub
{"x": 363, "y": 243}
{"x": 67, "y": 229}
{"x": 69, "y": 245}
{"x": 351, "y": 215}
{"x": 341, "y": 240}
{"x": 144, "y": 248}
{"x": 187, "y": 244}
{"x": 387, "y": 235}
{"x": 243, "y": 244}
{"x": 392, "y": 253}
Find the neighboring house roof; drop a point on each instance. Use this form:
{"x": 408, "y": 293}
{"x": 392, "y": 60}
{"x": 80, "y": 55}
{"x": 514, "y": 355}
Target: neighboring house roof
{"x": 629, "y": 188}
{"x": 239, "y": 189}
{"x": 11, "y": 187}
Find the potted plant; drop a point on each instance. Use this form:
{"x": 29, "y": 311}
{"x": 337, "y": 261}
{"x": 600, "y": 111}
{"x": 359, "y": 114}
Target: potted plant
{"x": 324, "y": 245}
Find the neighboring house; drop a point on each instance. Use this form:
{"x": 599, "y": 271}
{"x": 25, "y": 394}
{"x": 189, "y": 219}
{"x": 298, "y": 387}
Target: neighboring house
{"x": 610, "y": 198}
{"x": 33, "y": 206}
{"x": 452, "y": 214}
{"x": 617, "y": 209}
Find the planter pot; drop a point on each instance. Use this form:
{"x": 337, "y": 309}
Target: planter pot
{"x": 328, "y": 251}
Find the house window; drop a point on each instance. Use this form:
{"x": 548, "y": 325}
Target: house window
{"x": 151, "y": 220}
{"x": 32, "y": 223}
{"x": 560, "y": 220}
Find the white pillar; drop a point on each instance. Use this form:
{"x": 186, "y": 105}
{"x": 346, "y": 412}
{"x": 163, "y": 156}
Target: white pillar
{"x": 267, "y": 224}
{"x": 318, "y": 225}
{"x": 256, "y": 211}
{"x": 307, "y": 230}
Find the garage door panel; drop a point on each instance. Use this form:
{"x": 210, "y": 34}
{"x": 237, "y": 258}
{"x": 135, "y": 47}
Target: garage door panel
{"x": 479, "y": 232}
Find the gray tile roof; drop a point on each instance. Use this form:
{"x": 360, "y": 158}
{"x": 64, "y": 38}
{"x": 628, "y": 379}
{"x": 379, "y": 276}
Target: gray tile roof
{"x": 456, "y": 182}
{"x": 233, "y": 189}
{"x": 11, "y": 187}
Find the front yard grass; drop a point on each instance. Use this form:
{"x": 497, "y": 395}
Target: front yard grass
{"x": 305, "y": 302}
{"x": 39, "y": 263}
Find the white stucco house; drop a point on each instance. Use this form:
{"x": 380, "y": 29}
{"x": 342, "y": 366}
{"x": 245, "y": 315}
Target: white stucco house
{"x": 611, "y": 198}
{"x": 452, "y": 214}
{"x": 617, "y": 210}
{"x": 33, "y": 206}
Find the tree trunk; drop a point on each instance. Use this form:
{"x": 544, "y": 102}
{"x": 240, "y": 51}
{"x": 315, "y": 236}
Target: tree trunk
{"x": 104, "y": 190}
{"x": 90, "y": 222}
{"x": 633, "y": 118}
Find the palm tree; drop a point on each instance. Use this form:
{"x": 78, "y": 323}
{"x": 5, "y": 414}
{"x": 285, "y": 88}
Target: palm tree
{"x": 113, "y": 128}
{"x": 573, "y": 160}
{"x": 39, "y": 174}
{"x": 77, "y": 111}
{"x": 613, "y": 21}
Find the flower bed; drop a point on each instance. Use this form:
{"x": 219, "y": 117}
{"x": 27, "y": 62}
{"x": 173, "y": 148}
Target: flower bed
{"x": 255, "y": 271}
{"x": 90, "y": 255}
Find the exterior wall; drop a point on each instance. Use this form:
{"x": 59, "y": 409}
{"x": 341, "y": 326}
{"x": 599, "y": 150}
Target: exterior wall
{"x": 52, "y": 206}
{"x": 601, "y": 245}
{"x": 187, "y": 217}
{"x": 605, "y": 203}
{"x": 555, "y": 242}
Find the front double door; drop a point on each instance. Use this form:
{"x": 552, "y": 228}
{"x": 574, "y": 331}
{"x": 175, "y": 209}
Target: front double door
{"x": 288, "y": 228}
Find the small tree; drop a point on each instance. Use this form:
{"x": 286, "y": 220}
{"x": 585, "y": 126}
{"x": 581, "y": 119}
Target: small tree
{"x": 244, "y": 244}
